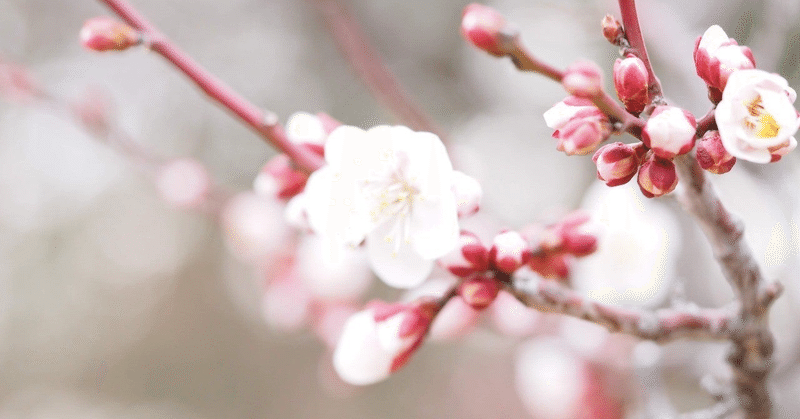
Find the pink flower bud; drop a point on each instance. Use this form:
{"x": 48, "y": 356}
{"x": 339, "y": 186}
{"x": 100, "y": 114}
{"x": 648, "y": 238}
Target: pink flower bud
{"x": 716, "y": 57}
{"x": 712, "y": 155}
{"x": 509, "y": 251}
{"x": 551, "y": 265}
{"x": 468, "y": 193}
{"x": 657, "y": 176}
{"x": 617, "y": 163}
{"x": 279, "y": 178}
{"x": 479, "y": 291}
{"x": 631, "y": 83}
{"x": 582, "y": 134}
{"x": 583, "y": 79}
{"x": 670, "y": 131}
{"x": 612, "y": 29}
{"x": 468, "y": 258}
{"x": 577, "y": 235}
{"x": 106, "y": 34}
{"x": 486, "y": 29}
{"x": 380, "y": 339}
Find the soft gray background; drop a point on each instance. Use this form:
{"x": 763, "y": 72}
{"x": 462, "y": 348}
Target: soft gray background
{"x": 113, "y": 305}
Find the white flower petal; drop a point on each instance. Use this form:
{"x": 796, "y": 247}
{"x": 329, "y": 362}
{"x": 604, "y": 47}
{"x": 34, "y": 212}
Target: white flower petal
{"x": 304, "y": 127}
{"x": 399, "y": 266}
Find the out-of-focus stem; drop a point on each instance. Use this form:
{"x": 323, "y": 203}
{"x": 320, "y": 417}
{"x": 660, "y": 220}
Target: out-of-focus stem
{"x": 661, "y": 325}
{"x": 525, "y": 61}
{"x": 263, "y": 122}
{"x": 369, "y": 66}
{"x": 630, "y": 22}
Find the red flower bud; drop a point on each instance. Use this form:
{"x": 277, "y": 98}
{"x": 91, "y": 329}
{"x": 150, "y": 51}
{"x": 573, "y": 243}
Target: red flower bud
{"x": 612, "y": 29}
{"x": 617, "y": 163}
{"x": 279, "y": 178}
{"x": 479, "y": 291}
{"x": 716, "y": 56}
{"x": 631, "y": 83}
{"x": 583, "y": 79}
{"x": 657, "y": 176}
{"x": 106, "y": 34}
{"x": 486, "y": 29}
{"x": 468, "y": 258}
{"x": 509, "y": 251}
{"x": 712, "y": 155}
{"x": 553, "y": 266}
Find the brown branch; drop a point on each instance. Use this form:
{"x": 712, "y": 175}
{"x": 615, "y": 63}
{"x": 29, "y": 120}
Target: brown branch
{"x": 661, "y": 325}
{"x": 366, "y": 62}
{"x": 753, "y": 343}
{"x": 264, "y": 123}
{"x": 707, "y": 123}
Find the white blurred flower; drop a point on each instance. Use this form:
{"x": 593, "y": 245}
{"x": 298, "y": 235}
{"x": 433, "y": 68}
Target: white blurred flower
{"x": 391, "y": 186}
{"x": 343, "y": 279}
{"x": 549, "y": 379}
{"x": 379, "y": 340}
{"x": 756, "y": 117}
{"x": 639, "y": 242}
{"x": 305, "y": 128}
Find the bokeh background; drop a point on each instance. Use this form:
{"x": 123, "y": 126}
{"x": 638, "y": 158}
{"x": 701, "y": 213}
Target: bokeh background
{"x": 115, "y": 305}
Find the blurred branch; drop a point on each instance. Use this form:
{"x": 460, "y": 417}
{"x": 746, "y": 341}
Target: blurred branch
{"x": 367, "y": 63}
{"x": 661, "y": 325}
{"x": 263, "y": 122}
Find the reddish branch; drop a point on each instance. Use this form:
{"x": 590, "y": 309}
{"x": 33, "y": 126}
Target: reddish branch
{"x": 661, "y": 325}
{"x": 263, "y": 122}
{"x": 366, "y": 62}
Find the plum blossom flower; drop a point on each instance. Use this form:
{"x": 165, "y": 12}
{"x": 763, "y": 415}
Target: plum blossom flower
{"x": 756, "y": 117}
{"x": 393, "y": 187}
{"x": 379, "y": 340}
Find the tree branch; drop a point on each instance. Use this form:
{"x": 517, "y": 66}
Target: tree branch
{"x": 661, "y": 325}
{"x": 264, "y": 123}
{"x": 366, "y": 62}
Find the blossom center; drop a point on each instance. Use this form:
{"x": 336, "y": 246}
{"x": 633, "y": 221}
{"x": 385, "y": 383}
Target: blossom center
{"x": 762, "y": 123}
{"x": 391, "y": 197}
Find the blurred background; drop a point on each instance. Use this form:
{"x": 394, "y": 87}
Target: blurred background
{"x": 115, "y": 305}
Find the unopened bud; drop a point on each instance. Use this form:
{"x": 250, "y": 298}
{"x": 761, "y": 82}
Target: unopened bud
{"x": 509, "y": 251}
{"x": 103, "y": 33}
{"x": 712, "y": 155}
{"x": 582, "y": 134}
{"x": 479, "y": 291}
{"x": 551, "y": 265}
{"x": 617, "y": 163}
{"x": 468, "y": 258}
{"x": 630, "y": 81}
{"x": 468, "y": 193}
{"x": 657, "y": 176}
{"x": 612, "y": 29}
{"x": 583, "y": 79}
{"x": 716, "y": 57}
{"x": 487, "y": 29}
{"x": 577, "y": 234}
{"x": 670, "y": 131}
{"x": 280, "y": 179}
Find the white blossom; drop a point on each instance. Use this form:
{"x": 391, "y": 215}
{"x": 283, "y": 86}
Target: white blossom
{"x": 392, "y": 187}
{"x": 756, "y": 117}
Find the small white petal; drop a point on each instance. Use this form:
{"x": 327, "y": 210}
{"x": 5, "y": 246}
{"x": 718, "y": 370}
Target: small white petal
{"x": 306, "y": 128}
{"x": 359, "y": 358}
{"x": 398, "y": 266}
{"x": 713, "y": 38}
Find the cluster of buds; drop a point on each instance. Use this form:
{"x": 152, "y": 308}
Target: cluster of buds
{"x": 558, "y": 244}
{"x": 379, "y": 340}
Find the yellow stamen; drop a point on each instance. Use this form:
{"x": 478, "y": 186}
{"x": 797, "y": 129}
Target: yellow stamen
{"x": 769, "y": 127}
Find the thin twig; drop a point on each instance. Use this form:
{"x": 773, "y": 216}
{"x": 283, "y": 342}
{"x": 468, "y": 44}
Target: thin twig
{"x": 263, "y": 122}
{"x": 369, "y": 66}
{"x": 661, "y": 325}
{"x": 630, "y": 23}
